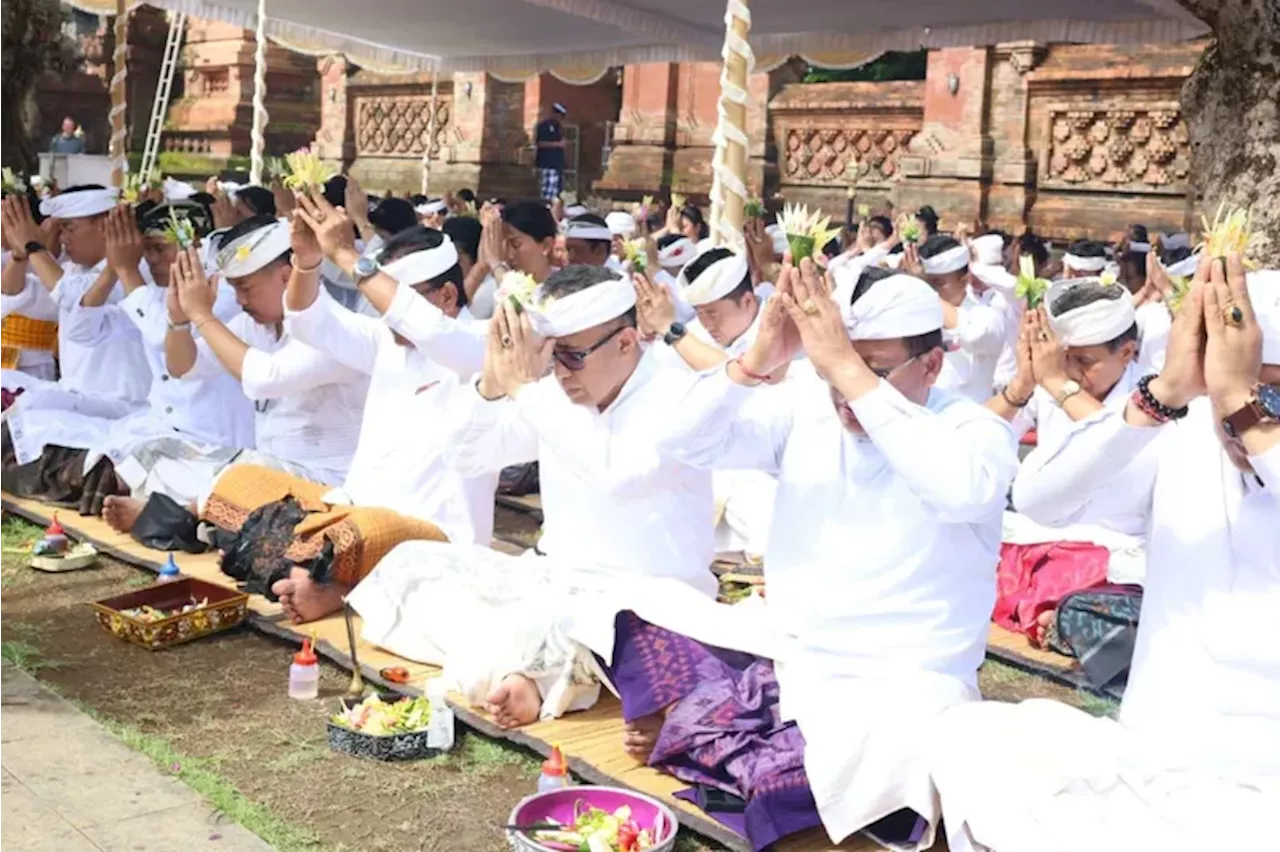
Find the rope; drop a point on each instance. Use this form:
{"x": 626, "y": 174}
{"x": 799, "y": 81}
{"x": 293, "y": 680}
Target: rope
{"x": 723, "y": 180}
{"x": 257, "y": 136}
{"x": 431, "y": 131}
{"x": 119, "y": 102}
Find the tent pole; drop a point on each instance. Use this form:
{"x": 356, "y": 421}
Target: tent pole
{"x": 257, "y": 136}
{"x": 431, "y": 130}
{"x": 119, "y": 145}
{"x": 729, "y": 166}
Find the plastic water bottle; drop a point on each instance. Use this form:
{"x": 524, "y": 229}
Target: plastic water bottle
{"x": 169, "y": 571}
{"x": 555, "y": 775}
{"x": 304, "y": 674}
{"x": 440, "y": 728}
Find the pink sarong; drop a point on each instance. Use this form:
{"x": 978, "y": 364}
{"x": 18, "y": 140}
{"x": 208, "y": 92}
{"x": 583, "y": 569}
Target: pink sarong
{"x": 1033, "y": 578}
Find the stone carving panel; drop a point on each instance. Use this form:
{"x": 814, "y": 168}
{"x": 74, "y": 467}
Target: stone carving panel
{"x": 844, "y": 155}
{"x": 397, "y": 125}
{"x": 1136, "y": 149}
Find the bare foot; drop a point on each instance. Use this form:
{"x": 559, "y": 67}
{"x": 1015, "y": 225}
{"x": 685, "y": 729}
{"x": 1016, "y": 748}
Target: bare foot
{"x": 641, "y": 735}
{"x": 304, "y": 599}
{"x": 1040, "y": 631}
{"x": 514, "y": 702}
{"x": 121, "y": 513}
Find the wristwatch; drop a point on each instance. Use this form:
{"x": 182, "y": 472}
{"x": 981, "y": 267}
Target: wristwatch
{"x": 1069, "y": 389}
{"x": 1263, "y": 408}
{"x": 33, "y": 247}
{"x": 363, "y": 268}
{"x": 673, "y": 334}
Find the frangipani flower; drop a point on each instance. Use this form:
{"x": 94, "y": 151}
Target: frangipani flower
{"x": 11, "y": 182}
{"x": 1029, "y": 286}
{"x": 909, "y": 229}
{"x": 806, "y": 232}
{"x": 519, "y": 287}
{"x": 180, "y": 231}
{"x": 306, "y": 169}
{"x": 637, "y": 254}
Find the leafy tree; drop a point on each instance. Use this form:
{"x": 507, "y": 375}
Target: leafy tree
{"x": 33, "y": 44}
{"x": 892, "y": 65}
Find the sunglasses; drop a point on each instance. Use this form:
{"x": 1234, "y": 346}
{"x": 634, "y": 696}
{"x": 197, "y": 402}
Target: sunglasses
{"x": 576, "y": 359}
{"x": 886, "y": 373}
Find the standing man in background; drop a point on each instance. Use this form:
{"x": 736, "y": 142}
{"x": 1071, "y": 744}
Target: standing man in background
{"x": 68, "y": 140}
{"x": 549, "y": 137}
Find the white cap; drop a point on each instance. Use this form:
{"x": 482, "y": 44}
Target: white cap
{"x": 80, "y": 204}
{"x": 1098, "y": 322}
{"x": 988, "y": 249}
{"x": 621, "y": 224}
{"x": 254, "y": 250}
{"x": 895, "y": 307}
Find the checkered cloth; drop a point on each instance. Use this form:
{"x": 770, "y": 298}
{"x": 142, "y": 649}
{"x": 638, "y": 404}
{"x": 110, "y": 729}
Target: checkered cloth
{"x": 551, "y": 183}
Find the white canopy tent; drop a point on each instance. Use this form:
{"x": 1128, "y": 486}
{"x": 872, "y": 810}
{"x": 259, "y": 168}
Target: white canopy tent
{"x": 578, "y": 40}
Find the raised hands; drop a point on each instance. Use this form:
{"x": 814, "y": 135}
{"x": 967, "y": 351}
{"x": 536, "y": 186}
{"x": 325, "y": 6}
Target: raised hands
{"x": 1233, "y": 337}
{"x": 333, "y": 229}
{"x": 124, "y": 241}
{"x": 307, "y": 252}
{"x": 224, "y": 210}
{"x": 1182, "y": 378}
{"x": 196, "y": 293}
{"x": 655, "y": 308}
{"x": 285, "y": 202}
{"x": 493, "y": 244}
{"x": 1048, "y": 355}
{"x": 817, "y": 319}
{"x": 19, "y": 225}
{"x": 515, "y": 355}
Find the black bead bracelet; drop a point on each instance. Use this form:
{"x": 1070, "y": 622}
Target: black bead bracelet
{"x": 1165, "y": 412}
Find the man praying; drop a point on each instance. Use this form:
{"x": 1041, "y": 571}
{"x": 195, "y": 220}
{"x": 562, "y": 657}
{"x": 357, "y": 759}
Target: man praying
{"x": 587, "y": 240}
{"x": 1076, "y": 355}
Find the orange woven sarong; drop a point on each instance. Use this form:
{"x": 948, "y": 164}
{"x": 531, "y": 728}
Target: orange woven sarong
{"x": 19, "y": 332}
{"x": 360, "y": 535}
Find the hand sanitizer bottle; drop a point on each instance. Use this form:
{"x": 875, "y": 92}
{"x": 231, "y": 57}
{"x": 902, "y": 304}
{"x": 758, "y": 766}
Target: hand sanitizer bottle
{"x": 440, "y": 728}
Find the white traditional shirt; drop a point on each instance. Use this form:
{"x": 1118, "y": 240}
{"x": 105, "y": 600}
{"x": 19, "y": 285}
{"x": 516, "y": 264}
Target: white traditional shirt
{"x": 308, "y": 404}
{"x": 1114, "y": 517}
{"x": 973, "y": 349}
{"x": 881, "y": 562}
{"x": 212, "y": 410}
{"x": 1154, "y": 324}
{"x": 609, "y": 500}
{"x": 399, "y": 461}
{"x": 33, "y": 302}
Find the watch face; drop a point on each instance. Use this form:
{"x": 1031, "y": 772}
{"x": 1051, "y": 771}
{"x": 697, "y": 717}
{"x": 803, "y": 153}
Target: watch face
{"x": 1269, "y": 400}
{"x": 365, "y": 267}
{"x": 1070, "y": 386}
{"x": 677, "y": 329}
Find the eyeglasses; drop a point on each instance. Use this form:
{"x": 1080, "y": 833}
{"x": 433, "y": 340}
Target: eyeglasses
{"x": 576, "y": 359}
{"x": 886, "y": 373}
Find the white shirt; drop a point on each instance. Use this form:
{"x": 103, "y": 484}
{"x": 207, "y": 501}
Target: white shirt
{"x": 399, "y": 460}
{"x": 1204, "y": 685}
{"x": 33, "y": 302}
{"x": 308, "y": 404}
{"x": 883, "y": 549}
{"x": 973, "y": 349}
{"x": 213, "y": 410}
{"x": 1001, "y": 293}
{"x": 1154, "y": 324}
{"x": 1114, "y": 517}
{"x": 609, "y": 500}
{"x": 118, "y": 371}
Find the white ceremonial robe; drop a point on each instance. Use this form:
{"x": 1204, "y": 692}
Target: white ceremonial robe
{"x": 399, "y": 461}
{"x": 1194, "y": 760}
{"x": 617, "y": 515}
{"x": 973, "y": 349}
{"x": 1154, "y": 324}
{"x": 743, "y": 498}
{"x": 1002, "y": 294}
{"x": 881, "y": 569}
{"x": 101, "y": 379}
{"x": 1114, "y": 517}
{"x": 33, "y": 302}
{"x": 308, "y": 405}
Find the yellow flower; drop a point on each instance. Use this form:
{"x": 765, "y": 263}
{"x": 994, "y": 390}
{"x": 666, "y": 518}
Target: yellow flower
{"x": 243, "y": 253}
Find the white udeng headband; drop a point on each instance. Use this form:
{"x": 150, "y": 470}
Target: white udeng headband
{"x": 1139, "y": 247}
{"x": 896, "y": 307}
{"x": 564, "y": 315}
{"x": 576, "y": 210}
{"x": 1095, "y": 323}
{"x": 951, "y": 260}
{"x": 574, "y": 230}
{"x": 989, "y": 250}
{"x": 677, "y": 253}
{"x": 716, "y": 281}
{"x": 430, "y": 207}
{"x": 422, "y": 266}
{"x": 80, "y": 204}
{"x": 254, "y": 250}
{"x": 1185, "y": 267}
{"x": 1076, "y": 263}
{"x": 621, "y": 224}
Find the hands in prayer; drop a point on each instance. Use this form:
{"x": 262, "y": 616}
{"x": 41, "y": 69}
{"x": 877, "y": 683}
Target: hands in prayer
{"x": 1042, "y": 359}
{"x": 285, "y": 202}
{"x": 493, "y": 244}
{"x": 306, "y": 248}
{"x": 515, "y": 355}
{"x": 19, "y": 225}
{"x": 224, "y": 210}
{"x": 760, "y": 258}
{"x": 806, "y": 298}
{"x": 911, "y": 262}
{"x": 1182, "y": 378}
{"x": 196, "y": 293}
{"x": 655, "y": 308}
{"x": 333, "y": 229}
{"x": 1233, "y": 337}
{"x": 356, "y": 204}
{"x": 124, "y": 241}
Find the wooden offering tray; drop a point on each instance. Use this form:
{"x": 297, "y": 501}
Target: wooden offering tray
{"x": 218, "y": 608}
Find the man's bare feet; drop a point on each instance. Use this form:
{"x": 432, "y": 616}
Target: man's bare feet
{"x": 514, "y": 702}
{"x": 641, "y": 735}
{"x": 304, "y": 599}
{"x": 121, "y": 513}
{"x": 1040, "y": 630}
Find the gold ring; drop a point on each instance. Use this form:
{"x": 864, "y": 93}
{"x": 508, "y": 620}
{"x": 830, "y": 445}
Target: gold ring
{"x": 809, "y": 307}
{"x": 506, "y": 341}
{"x": 1235, "y": 316}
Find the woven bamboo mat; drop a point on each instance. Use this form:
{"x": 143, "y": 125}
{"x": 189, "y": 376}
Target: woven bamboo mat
{"x": 591, "y": 741}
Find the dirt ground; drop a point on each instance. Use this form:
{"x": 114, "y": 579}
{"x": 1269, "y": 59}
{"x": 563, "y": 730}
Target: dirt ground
{"x": 219, "y": 706}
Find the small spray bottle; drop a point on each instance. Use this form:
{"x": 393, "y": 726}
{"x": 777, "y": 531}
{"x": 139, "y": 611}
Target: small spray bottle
{"x": 555, "y": 774}
{"x": 169, "y": 571}
{"x": 304, "y": 674}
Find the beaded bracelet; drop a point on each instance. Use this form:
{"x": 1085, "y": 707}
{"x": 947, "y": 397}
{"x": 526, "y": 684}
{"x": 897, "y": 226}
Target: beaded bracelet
{"x": 1152, "y": 407}
{"x": 755, "y": 377}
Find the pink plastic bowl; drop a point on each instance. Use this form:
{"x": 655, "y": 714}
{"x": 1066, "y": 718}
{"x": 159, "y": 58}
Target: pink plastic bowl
{"x": 558, "y": 805}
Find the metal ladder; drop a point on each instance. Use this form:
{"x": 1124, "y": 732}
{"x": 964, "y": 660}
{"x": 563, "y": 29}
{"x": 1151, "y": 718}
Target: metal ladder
{"x": 172, "y": 47}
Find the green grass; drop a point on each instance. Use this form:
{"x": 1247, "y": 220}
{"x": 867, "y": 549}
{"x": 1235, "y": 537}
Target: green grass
{"x": 17, "y": 534}
{"x": 25, "y": 656}
{"x": 200, "y": 776}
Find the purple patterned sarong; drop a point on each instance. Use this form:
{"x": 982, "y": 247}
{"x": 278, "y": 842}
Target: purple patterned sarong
{"x": 722, "y": 727}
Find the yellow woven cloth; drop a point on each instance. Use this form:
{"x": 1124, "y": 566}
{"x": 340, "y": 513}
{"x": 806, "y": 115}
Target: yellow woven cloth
{"x": 19, "y": 332}
{"x": 361, "y": 535}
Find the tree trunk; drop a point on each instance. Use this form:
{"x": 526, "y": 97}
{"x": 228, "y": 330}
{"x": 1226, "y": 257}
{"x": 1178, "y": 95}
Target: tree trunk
{"x": 1232, "y": 108}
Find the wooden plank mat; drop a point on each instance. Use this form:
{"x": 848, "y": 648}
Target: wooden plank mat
{"x": 591, "y": 741}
